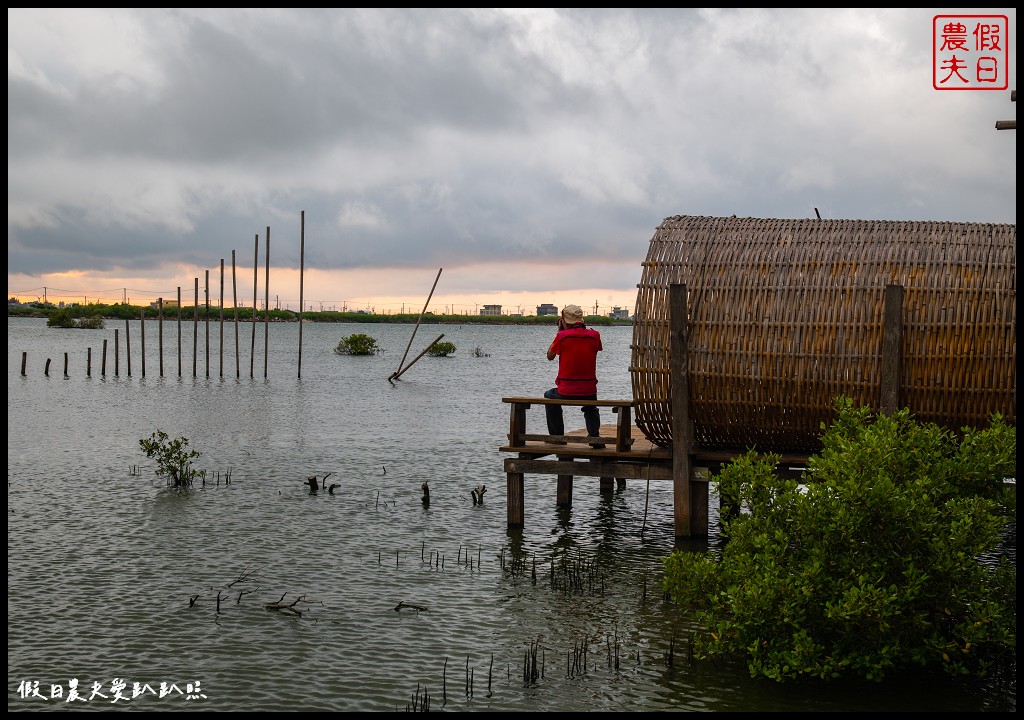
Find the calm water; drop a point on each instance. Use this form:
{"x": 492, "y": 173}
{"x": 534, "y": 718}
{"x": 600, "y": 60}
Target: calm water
{"x": 103, "y": 560}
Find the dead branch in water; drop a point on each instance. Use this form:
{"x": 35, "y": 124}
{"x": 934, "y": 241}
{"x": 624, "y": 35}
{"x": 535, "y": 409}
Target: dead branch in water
{"x": 402, "y": 604}
{"x": 289, "y": 607}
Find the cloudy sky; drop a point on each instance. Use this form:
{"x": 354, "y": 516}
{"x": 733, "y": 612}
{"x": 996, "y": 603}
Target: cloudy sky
{"x": 528, "y": 155}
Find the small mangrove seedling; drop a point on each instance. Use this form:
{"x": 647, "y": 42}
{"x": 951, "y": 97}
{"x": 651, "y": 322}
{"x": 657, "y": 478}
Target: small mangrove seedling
{"x": 173, "y": 458}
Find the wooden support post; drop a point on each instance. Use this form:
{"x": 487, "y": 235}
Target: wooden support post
{"x": 24, "y": 361}
{"x": 892, "y": 349}
{"x": 128, "y": 346}
{"x": 514, "y": 499}
{"x": 88, "y": 362}
{"x": 103, "y": 361}
{"x": 682, "y": 428}
{"x": 517, "y": 423}
{"x": 563, "y": 488}
{"x": 117, "y": 355}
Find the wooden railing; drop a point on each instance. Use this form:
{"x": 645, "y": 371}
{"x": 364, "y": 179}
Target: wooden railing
{"x": 518, "y": 437}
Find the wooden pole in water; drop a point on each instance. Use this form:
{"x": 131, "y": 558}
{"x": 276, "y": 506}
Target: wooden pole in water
{"x": 302, "y": 267}
{"x": 206, "y": 321}
{"x": 195, "y": 332}
{"x": 47, "y": 370}
{"x": 418, "y": 320}
{"x": 117, "y": 355}
{"x": 103, "y": 363}
{"x": 128, "y": 346}
{"x": 160, "y": 333}
{"x": 142, "y": 338}
{"x": 179, "y": 331}
{"x": 88, "y": 362}
{"x": 24, "y": 361}
{"x": 255, "y": 273}
{"x": 234, "y": 301}
{"x": 689, "y": 498}
{"x": 222, "y": 317}
{"x": 398, "y": 374}
{"x": 266, "y": 315}
{"x": 65, "y": 364}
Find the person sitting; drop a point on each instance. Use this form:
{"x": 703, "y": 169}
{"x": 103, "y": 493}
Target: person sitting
{"x": 576, "y": 346}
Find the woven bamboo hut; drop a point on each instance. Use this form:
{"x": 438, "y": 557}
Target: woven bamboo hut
{"x": 786, "y": 315}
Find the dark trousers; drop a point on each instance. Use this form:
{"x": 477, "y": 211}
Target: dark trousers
{"x": 556, "y": 424}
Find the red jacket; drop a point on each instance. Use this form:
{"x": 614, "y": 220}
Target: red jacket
{"x": 577, "y": 349}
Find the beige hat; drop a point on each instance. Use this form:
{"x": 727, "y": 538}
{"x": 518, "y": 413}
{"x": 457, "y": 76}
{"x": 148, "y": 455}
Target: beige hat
{"x": 572, "y": 314}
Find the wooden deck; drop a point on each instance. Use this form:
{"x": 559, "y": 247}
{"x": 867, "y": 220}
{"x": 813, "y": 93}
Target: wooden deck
{"x": 628, "y": 455}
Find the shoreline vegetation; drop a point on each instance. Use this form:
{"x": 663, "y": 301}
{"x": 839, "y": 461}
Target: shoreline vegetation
{"x": 119, "y": 311}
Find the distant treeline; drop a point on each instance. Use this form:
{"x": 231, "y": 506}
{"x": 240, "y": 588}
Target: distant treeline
{"x": 134, "y": 312}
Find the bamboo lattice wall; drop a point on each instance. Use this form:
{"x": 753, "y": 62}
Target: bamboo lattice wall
{"x": 786, "y": 315}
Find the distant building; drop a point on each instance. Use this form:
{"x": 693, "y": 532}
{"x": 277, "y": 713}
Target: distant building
{"x": 547, "y": 309}
{"x": 167, "y": 303}
{"x": 618, "y": 313}
{"x": 490, "y": 310}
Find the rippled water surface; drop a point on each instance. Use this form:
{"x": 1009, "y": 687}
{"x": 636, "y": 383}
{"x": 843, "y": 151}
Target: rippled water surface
{"x": 103, "y": 560}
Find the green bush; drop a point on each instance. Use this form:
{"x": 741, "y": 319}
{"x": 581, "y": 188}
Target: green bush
{"x": 357, "y": 344}
{"x": 442, "y": 348}
{"x": 62, "y": 319}
{"x": 882, "y": 559}
{"x": 173, "y": 458}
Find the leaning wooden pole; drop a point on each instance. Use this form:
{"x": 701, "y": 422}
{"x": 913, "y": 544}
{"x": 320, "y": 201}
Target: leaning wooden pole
{"x": 255, "y": 274}
{"x": 302, "y": 268}
{"x": 399, "y": 371}
{"x": 424, "y": 352}
{"x": 266, "y": 315}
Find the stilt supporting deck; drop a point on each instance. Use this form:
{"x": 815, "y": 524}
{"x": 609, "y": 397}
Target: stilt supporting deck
{"x": 514, "y": 497}
{"x": 690, "y": 499}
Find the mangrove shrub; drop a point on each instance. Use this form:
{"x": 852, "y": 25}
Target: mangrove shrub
{"x": 173, "y": 458}
{"x": 883, "y": 558}
{"x": 357, "y": 344}
{"x": 441, "y": 348}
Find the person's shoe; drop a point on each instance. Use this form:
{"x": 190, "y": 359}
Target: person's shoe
{"x": 597, "y": 445}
